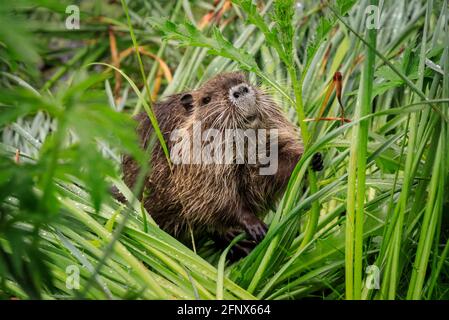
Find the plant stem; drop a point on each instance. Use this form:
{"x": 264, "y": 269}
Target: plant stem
{"x": 366, "y": 90}
{"x": 315, "y": 210}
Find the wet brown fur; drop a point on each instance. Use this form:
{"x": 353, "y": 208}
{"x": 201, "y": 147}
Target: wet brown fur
{"x": 212, "y": 197}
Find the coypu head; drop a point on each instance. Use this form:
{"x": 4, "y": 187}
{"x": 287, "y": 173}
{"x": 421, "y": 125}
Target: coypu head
{"x": 227, "y": 101}
{"x": 226, "y": 113}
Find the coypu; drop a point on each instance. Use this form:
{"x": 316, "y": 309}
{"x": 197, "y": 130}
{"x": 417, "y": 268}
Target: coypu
{"x": 222, "y": 199}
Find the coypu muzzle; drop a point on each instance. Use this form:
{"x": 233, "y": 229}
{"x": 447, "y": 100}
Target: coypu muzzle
{"x": 243, "y": 97}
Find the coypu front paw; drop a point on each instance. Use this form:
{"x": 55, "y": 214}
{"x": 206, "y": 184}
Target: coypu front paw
{"x": 254, "y": 227}
{"x": 317, "y": 162}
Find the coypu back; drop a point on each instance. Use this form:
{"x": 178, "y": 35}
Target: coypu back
{"x": 169, "y": 114}
{"x": 161, "y": 202}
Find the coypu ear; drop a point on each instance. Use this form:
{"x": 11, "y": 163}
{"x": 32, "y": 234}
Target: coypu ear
{"x": 187, "y": 101}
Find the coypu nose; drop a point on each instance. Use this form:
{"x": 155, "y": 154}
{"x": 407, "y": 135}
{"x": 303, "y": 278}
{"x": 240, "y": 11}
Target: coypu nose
{"x": 239, "y": 90}
{"x": 243, "y": 97}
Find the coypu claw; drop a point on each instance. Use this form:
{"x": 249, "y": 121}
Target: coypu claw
{"x": 317, "y": 162}
{"x": 255, "y": 228}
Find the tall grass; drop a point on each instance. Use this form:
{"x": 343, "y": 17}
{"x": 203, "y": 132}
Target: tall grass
{"x": 378, "y": 211}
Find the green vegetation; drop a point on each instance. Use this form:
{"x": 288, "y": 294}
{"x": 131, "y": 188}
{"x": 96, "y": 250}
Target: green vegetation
{"x": 373, "y": 224}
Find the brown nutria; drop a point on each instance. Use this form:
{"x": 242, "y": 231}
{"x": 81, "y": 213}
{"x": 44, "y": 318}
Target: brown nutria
{"x": 221, "y": 198}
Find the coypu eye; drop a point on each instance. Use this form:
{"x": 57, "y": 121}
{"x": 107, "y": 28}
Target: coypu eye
{"x": 205, "y": 100}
